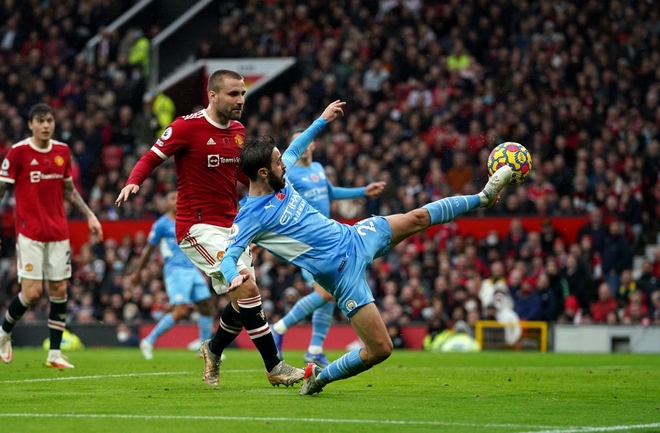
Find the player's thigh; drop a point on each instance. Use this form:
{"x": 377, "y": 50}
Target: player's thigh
{"x": 405, "y": 225}
{"x": 57, "y": 261}
{"x": 30, "y": 258}
{"x": 205, "y": 244}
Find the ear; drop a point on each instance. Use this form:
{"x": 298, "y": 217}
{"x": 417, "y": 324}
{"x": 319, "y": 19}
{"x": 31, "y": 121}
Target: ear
{"x": 263, "y": 173}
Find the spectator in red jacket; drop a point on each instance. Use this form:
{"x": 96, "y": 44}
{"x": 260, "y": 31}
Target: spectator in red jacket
{"x": 604, "y": 304}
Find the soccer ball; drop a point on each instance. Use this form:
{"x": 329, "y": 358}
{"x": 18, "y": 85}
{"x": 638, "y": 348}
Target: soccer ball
{"x": 516, "y": 156}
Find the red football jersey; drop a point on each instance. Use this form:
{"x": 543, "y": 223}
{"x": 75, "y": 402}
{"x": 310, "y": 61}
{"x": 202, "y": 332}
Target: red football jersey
{"x": 38, "y": 178}
{"x": 207, "y": 156}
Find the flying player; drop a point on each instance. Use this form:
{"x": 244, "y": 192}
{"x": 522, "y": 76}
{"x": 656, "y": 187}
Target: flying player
{"x": 310, "y": 180}
{"x": 277, "y": 218}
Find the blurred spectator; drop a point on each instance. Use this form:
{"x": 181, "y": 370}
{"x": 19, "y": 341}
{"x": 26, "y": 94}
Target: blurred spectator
{"x": 604, "y": 304}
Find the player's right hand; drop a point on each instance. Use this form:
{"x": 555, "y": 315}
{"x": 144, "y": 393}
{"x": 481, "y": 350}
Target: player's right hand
{"x": 333, "y": 110}
{"x": 238, "y": 282}
{"x": 126, "y": 191}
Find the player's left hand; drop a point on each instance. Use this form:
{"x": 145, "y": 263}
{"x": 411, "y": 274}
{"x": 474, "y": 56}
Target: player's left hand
{"x": 95, "y": 227}
{"x": 375, "y": 188}
{"x": 238, "y": 281}
{"x": 333, "y": 110}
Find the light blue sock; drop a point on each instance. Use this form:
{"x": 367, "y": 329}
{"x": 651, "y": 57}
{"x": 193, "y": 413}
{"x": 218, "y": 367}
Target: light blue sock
{"x": 303, "y": 308}
{"x": 347, "y": 366}
{"x": 165, "y": 323}
{"x": 205, "y": 325}
{"x": 449, "y": 208}
{"x": 321, "y": 320}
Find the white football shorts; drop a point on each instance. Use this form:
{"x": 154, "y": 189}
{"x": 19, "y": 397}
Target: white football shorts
{"x": 49, "y": 261}
{"x": 205, "y": 245}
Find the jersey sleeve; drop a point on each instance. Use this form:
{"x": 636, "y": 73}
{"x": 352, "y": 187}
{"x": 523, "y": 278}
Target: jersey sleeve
{"x": 298, "y": 146}
{"x": 341, "y": 193}
{"x": 155, "y": 234}
{"x": 243, "y": 231}
{"x": 68, "y": 173}
{"x": 174, "y": 138}
{"x": 9, "y": 168}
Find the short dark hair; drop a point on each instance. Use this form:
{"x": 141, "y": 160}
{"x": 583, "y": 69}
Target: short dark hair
{"x": 256, "y": 154}
{"x": 216, "y": 78}
{"x": 40, "y": 110}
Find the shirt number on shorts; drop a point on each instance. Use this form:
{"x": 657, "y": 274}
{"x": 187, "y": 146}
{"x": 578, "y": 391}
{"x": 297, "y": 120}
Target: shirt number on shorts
{"x": 362, "y": 230}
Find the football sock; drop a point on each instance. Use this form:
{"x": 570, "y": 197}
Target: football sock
{"x": 205, "y": 325}
{"x": 163, "y": 325}
{"x": 255, "y": 323}
{"x": 347, "y": 366}
{"x": 57, "y": 321}
{"x": 449, "y": 208}
{"x": 321, "y": 320}
{"x": 228, "y": 329}
{"x": 17, "y": 307}
{"x": 303, "y": 308}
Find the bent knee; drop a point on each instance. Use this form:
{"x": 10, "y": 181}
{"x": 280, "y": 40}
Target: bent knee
{"x": 378, "y": 354}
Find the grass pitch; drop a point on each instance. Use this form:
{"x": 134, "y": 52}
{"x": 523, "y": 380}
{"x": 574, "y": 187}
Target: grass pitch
{"x": 115, "y": 390}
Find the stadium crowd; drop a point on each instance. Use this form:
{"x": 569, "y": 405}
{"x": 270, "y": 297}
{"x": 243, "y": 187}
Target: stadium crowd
{"x": 431, "y": 87}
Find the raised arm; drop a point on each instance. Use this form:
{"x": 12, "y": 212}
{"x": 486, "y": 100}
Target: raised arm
{"x": 73, "y": 197}
{"x": 300, "y": 144}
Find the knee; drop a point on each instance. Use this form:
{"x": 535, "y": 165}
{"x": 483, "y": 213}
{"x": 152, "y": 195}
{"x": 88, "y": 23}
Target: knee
{"x": 420, "y": 217}
{"x": 378, "y": 353}
{"x": 248, "y": 289}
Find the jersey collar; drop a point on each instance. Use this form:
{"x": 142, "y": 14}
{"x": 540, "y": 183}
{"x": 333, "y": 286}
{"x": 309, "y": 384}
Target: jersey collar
{"x": 213, "y": 122}
{"x": 39, "y": 149}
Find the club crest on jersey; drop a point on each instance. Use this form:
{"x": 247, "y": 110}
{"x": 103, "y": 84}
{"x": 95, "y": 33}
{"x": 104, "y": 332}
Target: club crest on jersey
{"x": 29, "y": 267}
{"x": 219, "y": 256}
{"x": 280, "y": 196}
{"x": 59, "y": 161}
{"x": 350, "y": 305}
{"x": 166, "y": 134}
{"x": 239, "y": 141}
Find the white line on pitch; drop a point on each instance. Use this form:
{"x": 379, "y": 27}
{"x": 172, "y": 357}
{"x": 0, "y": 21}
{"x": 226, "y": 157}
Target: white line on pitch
{"x": 599, "y": 429}
{"x": 265, "y": 419}
{"x": 110, "y": 376}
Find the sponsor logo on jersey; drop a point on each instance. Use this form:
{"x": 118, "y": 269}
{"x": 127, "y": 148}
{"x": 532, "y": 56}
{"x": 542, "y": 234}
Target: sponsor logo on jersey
{"x": 239, "y": 141}
{"x": 29, "y": 267}
{"x": 211, "y": 142}
{"x": 350, "y": 305}
{"x": 33, "y": 162}
{"x": 268, "y": 206}
{"x": 37, "y": 176}
{"x": 59, "y": 161}
{"x": 166, "y": 134}
{"x": 213, "y": 160}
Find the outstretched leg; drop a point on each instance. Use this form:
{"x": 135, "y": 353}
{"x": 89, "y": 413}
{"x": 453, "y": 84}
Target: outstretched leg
{"x": 369, "y": 326}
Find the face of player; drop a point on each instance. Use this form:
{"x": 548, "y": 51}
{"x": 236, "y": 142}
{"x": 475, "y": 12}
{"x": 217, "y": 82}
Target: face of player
{"x": 229, "y": 100}
{"x": 277, "y": 170}
{"x": 170, "y": 202}
{"x": 42, "y": 128}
